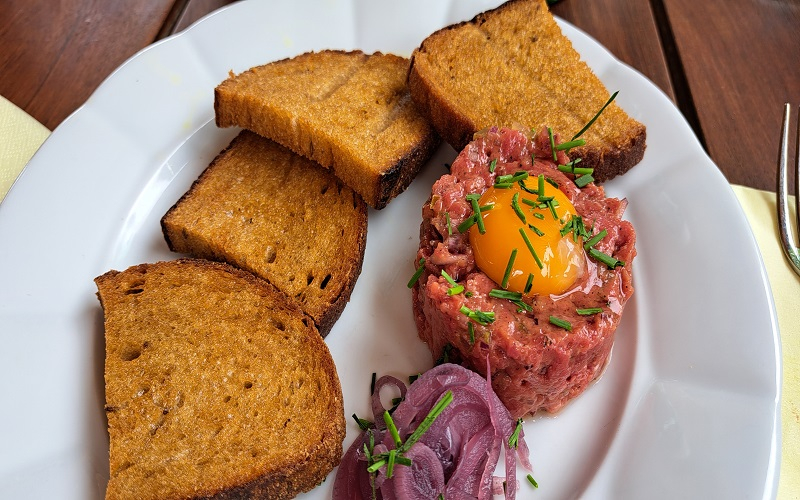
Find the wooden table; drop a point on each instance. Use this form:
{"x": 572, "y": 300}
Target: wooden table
{"x": 729, "y": 65}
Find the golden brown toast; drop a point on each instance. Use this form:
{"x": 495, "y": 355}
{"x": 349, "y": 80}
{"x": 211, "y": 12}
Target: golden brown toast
{"x": 216, "y": 386}
{"x": 266, "y": 210}
{"x": 348, "y": 111}
{"x": 520, "y": 70}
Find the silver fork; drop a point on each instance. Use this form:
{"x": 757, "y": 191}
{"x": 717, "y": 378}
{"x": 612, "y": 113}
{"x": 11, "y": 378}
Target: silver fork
{"x": 788, "y": 237}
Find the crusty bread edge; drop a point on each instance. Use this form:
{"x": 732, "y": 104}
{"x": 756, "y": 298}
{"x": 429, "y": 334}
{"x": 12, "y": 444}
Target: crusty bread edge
{"x": 394, "y": 180}
{"x": 458, "y": 130}
{"x": 328, "y": 318}
{"x": 321, "y": 460}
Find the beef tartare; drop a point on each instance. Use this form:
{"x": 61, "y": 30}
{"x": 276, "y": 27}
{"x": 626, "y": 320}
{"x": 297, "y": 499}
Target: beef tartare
{"x": 523, "y": 260}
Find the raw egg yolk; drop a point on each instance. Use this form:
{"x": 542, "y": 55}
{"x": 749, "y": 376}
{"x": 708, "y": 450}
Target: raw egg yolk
{"x": 554, "y": 261}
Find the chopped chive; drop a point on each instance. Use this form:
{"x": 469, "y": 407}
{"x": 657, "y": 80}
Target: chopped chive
{"x": 445, "y": 357}
{"x": 584, "y": 180}
{"x": 570, "y": 169}
{"x": 509, "y": 267}
{"x": 526, "y": 188}
{"x": 513, "y": 440}
{"x": 596, "y": 238}
{"x": 518, "y": 176}
{"x": 417, "y": 273}
{"x": 505, "y": 294}
{"x": 517, "y": 209}
{"x": 471, "y": 331}
{"x": 530, "y": 248}
{"x": 413, "y": 378}
{"x": 586, "y": 127}
{"x": 566, "y": 325}
{"x": 589, "y": 311}
{"x": 574, "y": 143}
{"x": 362, "y": 423}
{"x": 480, "y": 317}
{"x": 541, "y": 185}
{"x": 552, "y": 182}
{"x": 532, "y": 481}
{"x": 606, "y": 259}
{"x": 552, "y": 206}
{"x": 375, "y": 466}
{"x": 476, "y": 209}
{"x": 529, "y": 283}
{"x": 536, "y": 230}
{"x": 552, "y": 143}
{"x": 372, "y": 384}
{"x": 493, "y": 165}
{"x": 467, "y": 223}
{"x": 449, "y": 224}
{"x": 437, "y": 409}
{"x": 392, "y": 428}
{"x": 455, "y": 288}
{"x": 390, "y": 463}
{"x": 539, "y": 215}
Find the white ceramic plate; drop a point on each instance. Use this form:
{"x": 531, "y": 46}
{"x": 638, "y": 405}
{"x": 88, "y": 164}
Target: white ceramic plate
{"x": 686, "y": 409}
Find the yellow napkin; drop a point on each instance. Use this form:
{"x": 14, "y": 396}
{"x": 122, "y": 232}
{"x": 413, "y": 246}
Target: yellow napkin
{"x": 759, "y": 206}
{"x": 21, "y": 136}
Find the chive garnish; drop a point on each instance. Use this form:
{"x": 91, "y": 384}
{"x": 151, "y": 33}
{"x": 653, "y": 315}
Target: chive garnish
{"x": 570, "y": 169}
{"x": 586, "y": 127}
{"x": 517, "y": 209}
{"x": 417, "y": 273}
{"x": 538, "y": 215}
{"x": 449, "y": 224}
{"x": 541, "y": 185}
{"x": 467, "y": 223}
{"x": 552, "y": 144}
{"x": 413, "y": 378}
{"x": 606, "y": 259}
{"x": 552, "y": 182}
{"x": 480, "y": 317}
{"x": 529, "y": 283}
{"x": 362, "y": 423}
{"x": 511, "y": 178}
{"x": 589, "y": 311}
{"x": 505, "y": 294}
{"x": 509, "y": 267}
{"x": 530, "y": 203}
{"x": 493, "y": 165}
{"x": 584, "y": 180}
{"x": 526, "y": 188}
{"x": 566, "y": 325}
{"x": 530, "y": 248}
{"x": 532, "y": 481}
{"x": 513, "y": 440}
{"x": 476, "y": 209}
{"x": 372, "y": 384}
{"x": 574, "y": 143}
{"x": 471, "y": 331}
{"x": 390, "y": 463}
{"x": 387, "y": 418}
{"x": 437, "y": 409}
{"x": 596, "y": 238}
{"x": 455, "y": 288}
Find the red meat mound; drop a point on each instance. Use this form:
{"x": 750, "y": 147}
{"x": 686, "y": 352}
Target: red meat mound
{"x": 535, "y": 364}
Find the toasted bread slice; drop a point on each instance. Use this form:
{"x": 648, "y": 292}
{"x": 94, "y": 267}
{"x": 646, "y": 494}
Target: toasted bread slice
{"x": 266, "y": 210}
{"x": 512, "y": 66}
{"x": 216, "y": 386}
{"x": 348, "y": 111}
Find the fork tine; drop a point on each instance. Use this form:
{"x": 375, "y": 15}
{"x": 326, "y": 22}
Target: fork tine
{"x": 788, "y": 238}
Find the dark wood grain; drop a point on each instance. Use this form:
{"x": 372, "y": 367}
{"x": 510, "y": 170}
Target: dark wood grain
{"x": 742, "y": 62}
{"x": 728, "y": 64}
{"x": 627, "y": 29}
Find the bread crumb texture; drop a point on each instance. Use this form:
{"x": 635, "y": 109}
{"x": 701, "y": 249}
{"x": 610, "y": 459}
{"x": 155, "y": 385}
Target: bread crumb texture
{"x": 267, "y": 210}
{"x": 216, "y": 386}
{"x": 521, "y": 71}
{"x": 348, "y": 111}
